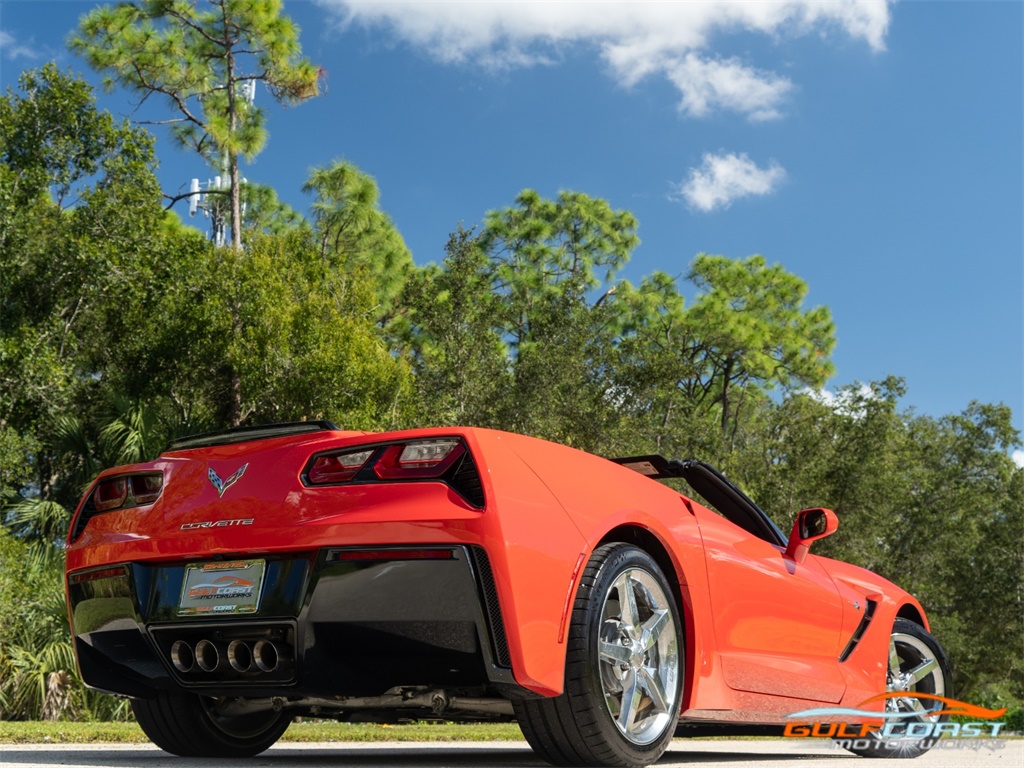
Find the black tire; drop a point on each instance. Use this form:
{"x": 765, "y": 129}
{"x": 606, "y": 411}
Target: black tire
{"x": 920, "y": 666}
{"x": 187, "y": 725}
{"x": 605, "y": 659}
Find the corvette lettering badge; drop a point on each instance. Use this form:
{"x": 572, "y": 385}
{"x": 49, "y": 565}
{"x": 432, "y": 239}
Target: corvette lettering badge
{"x": 218, "y": 523}
{"x": 223, "y": 485}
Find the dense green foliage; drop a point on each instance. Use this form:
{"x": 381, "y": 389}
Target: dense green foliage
{"x": 201, "y": 58}
{"x": 121, "y": 328}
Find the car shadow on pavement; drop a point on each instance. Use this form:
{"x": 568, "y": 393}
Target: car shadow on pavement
{"x": 390, "y": 756}
{"x": 100, "y": 756}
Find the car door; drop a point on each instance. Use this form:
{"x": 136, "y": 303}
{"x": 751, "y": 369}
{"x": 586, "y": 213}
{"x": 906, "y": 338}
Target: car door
{"x": 777, "y": 623}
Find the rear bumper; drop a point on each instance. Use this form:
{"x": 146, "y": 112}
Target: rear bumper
{"x": 341, "y": 621}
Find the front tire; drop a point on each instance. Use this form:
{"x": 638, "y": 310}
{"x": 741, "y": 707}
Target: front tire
{"x": 188, "y": 725}
{"x": 917, "y": 664}
{"x": 624, "y": 668}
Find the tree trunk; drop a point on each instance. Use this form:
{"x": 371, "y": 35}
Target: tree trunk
{"x": 235, "y": 403}
{"x": 236, "y": 204}
{"x": 726, "y": 377}
{"x": 234, "y": 410}
{"x": 236, "y": 189}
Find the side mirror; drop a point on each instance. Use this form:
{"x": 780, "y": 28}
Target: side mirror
{"x": 810, "y": 525}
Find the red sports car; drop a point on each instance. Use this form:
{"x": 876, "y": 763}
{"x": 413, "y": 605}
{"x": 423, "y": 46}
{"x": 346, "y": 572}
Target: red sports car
{"x": 249, "y": 576}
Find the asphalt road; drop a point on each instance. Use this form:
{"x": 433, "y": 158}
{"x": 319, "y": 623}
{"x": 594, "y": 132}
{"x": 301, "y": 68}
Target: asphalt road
{"x": 735, "y": 754}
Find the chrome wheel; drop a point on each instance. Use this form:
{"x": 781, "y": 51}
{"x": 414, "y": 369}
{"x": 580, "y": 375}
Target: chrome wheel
{"x": 623, "y": 668}
{"x": 639, "y": 657}
{"x": 916, "y": 665}
{"x": 913, "y": 668}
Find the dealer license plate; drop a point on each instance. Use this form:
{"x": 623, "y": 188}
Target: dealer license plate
{"x": 221, "y": 588}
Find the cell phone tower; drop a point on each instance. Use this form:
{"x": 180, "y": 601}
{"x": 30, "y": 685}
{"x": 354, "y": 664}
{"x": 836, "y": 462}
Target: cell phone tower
{"x": 214, "y": 205}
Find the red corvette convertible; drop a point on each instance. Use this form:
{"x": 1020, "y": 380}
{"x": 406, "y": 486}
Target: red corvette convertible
{"x": 249, "y": 576}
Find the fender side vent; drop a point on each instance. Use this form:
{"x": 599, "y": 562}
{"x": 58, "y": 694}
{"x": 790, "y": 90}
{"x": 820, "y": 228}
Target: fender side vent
{"x": 858, "y": 633}
{"x": 499, "y": 643}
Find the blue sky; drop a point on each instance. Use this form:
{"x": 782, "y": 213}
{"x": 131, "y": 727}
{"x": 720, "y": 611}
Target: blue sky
{"x": 874, "y": 149}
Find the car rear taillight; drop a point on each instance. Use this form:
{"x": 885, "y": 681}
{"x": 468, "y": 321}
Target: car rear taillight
{"x": 444, "y": 459}
{"x": 146, "y": 488}
{"x": 118, "y": 492}
{"x": 110, "y": 494}
{"x": 337, "y": 467}
{"x": 422, "y": 459}
{"x": 127, "y": 491}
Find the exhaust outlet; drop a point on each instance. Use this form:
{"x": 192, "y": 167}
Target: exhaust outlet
{"x": 207, "y": 656}
{"x": 182, "y": 656}
{"x": 239, "y": 656}
{"x": 266, "y": 656}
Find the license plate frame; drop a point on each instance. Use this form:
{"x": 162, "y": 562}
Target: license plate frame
{"x": 222, "y": 588}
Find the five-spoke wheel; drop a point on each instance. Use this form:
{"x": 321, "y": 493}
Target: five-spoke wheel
{"x": 639, "y": 656}
{"x": 917, "y": 664}
{"x": 624, "y": 668}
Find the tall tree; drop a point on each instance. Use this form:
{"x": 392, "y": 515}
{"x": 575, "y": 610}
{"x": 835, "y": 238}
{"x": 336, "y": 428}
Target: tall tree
{"x": 745, "y": 333}
{"x": 354, "y": 234}
{"x": 553, "y": 265}
{"x": 544, "y": 249}
{"x": 754, "y": 330}
{"x": 264, "y": 212}
{"x": 202, "y": 56}
{"x": 513, "y": 329}
{"x": 271, "y": 333}
{"x": 79, "y": 215}
{"x": 657, "y": 367}
{"x": 450, "y": 325}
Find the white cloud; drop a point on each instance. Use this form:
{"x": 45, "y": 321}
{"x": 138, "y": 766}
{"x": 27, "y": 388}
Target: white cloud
{"x": 729, "y": 84}
{"x": 1018, "y": 458}
{"x": 12, "y": 50}
{"x": 636, "y": 39}
{"x": 724, "y": 178}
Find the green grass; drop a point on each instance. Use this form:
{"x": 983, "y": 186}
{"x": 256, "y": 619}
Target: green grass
{"x": 306, "y": 731}
{"x": 130, "y": 733}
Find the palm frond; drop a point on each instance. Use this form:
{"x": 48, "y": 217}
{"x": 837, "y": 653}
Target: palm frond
{"x": 39, "y": 520}
{"x": 132, "y": 432}
{"x": 70, "y": 438}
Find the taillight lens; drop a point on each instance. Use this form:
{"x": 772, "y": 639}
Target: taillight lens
{"x": 118, "y": 492}
{"x": 421, "y": 459}
{"x": 337, "y": 467}
{"x": 146, "y": 488}
{"x": 110, "y": 494}
{"x": 444, "y": 459}
{"x": 127, "y": 491}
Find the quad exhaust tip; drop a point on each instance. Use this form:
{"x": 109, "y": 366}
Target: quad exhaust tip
{"x": 182, "y": 656}
{"x": 266, "y": 655}
{"x": 239, "y": 656}
{"x": 208, "y": 656}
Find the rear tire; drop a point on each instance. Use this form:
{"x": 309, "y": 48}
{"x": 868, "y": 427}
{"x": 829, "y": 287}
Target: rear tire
{"x": 624, "y": 668}
{"x": 917, "y": 664}
{"x": 188, "y": 725}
